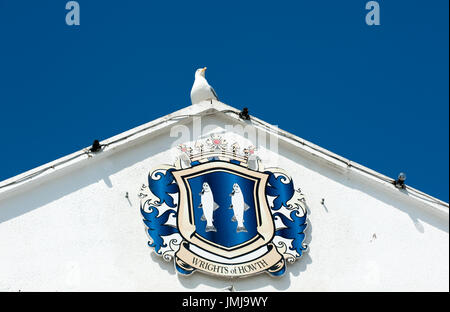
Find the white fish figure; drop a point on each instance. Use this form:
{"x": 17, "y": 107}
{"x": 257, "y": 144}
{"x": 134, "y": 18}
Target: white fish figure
{"x": 208, "y": 205}
{"x": 239, "y": 206}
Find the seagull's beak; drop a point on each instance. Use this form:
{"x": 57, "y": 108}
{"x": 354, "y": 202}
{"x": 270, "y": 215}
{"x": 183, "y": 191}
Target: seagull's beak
{"x": 203, "y": 69}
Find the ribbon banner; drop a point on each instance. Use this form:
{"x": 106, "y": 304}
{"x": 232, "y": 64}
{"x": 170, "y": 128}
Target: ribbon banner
{"x": 272, "y": 262}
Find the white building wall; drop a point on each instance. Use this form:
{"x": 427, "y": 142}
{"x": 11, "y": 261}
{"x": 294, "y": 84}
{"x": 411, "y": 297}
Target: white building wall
{"x": 76, "y": 231}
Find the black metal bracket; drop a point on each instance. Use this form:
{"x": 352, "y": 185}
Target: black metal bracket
{"x": 95, "y": 146}
{"x": 244, "y": 114}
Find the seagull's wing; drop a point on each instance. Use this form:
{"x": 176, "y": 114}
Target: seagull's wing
{"x": 214, "y": 93}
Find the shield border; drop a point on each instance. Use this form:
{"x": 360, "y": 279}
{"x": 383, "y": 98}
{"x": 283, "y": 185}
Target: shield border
{"x": 186, "y": 226}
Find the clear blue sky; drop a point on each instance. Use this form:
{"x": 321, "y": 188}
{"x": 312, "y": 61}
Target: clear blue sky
{"x": 376, "y": 95}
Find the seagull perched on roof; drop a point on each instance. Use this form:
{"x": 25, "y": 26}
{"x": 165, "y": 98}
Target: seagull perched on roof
{"x": 201, "y": 90}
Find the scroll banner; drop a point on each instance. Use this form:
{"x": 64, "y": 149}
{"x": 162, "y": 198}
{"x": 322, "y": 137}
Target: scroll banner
{"x": 272, "y": 261}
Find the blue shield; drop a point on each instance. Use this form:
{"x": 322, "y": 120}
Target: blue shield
{"x": 221, "y": 185}
{"x": 223, "y": 208}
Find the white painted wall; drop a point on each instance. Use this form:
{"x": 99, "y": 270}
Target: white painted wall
{"x": 75, "y": 230}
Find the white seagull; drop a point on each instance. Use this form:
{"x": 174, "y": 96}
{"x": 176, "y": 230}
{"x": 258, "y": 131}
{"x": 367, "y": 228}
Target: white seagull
{"x": 201, "y": 90}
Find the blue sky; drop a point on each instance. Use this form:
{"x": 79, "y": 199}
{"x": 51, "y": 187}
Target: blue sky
{"x": 377, "y": 95}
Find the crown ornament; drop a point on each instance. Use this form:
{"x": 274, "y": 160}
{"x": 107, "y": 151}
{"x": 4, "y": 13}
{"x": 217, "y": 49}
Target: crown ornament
{"x": 216, "y": 148}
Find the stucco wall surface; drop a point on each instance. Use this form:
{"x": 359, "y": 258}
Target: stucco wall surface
{"x": 77, "y": 230}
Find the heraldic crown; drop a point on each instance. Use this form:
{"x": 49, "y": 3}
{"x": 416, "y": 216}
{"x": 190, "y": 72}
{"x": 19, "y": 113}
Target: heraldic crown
{"x": 220, "y": 211}
{"x": 217, "y": 147}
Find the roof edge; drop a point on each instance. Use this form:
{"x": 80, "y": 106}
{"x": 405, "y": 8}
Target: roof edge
{"x": 201, "y": 109}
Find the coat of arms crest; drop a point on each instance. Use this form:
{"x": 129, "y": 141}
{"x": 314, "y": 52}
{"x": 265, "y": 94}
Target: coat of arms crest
{"x": 217, "y": 210}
